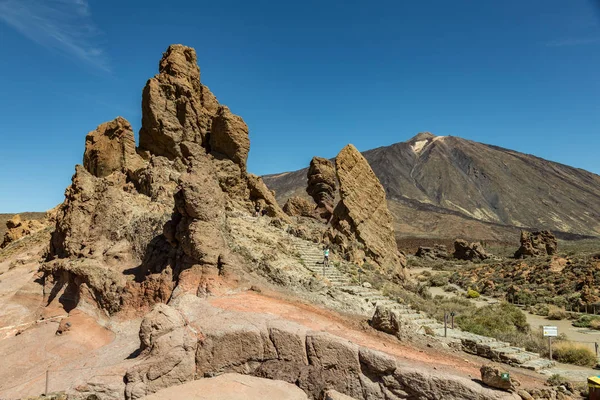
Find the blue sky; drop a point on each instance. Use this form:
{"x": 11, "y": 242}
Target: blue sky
{"x": 307, "y": 76}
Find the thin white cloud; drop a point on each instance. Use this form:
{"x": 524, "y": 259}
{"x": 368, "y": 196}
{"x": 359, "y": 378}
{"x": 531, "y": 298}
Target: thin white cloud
{"x": 572, "y": 42}
{"x": 64, "y": 25}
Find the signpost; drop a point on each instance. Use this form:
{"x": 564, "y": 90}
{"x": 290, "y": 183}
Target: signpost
{"x": 550, "y": 332}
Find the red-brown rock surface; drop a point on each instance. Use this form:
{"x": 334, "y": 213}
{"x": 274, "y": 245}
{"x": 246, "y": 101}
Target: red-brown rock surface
{"x": 322, "y": 184}
{"x": 534, "y": 244}
{"x": 362, "y": 223}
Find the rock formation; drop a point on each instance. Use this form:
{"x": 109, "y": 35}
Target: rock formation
{"x": 322, "y": 184}
{"x": 170, "y": 345}
{"x": 492, "y": 376}
{"x": 432, "y": 253}
{"x": 534, "y": 244}
{"x": 464, "y": 250}
{"x": 361, "y": 222}
{"x": 298, "y": 207}
{"x": 110, "y": 148}
{"x": 18, "y": 229}
{"x": 148, "y": 220}
{"x": 254, "y": 344}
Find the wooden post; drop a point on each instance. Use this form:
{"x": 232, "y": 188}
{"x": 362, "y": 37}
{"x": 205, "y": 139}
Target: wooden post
{"x": 445, "y": 324}
{"x": 47, "y": 382}
{"x": 550, "y": 346}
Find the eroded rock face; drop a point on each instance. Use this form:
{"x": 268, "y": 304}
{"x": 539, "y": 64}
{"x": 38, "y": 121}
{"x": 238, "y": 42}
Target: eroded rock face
{"x": 298, "y": 207}
{"x": 535, "y": 244}
{"x": 110, "y": 148}
{"x": 155, "y": 216}
{"x": 172, "y": 105}
{"x": 322, "y": 184}
{"x": 169, "y": 344}
{"x": 362, "y": 215}
{"x": 258, "y": 345}
{"x": 464, "y": 250}
{"x": 18, "y": 229}
{"x": 229, "y": 137}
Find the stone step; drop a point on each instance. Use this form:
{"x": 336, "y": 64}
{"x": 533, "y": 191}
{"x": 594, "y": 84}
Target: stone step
{"x": 521, "y": 357}
{"x": 537, "y": 364}
{"x": 427, "y": 321}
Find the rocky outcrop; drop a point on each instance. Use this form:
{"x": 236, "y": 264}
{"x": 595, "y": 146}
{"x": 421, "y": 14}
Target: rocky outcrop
{"x": 436, "y": 252}
{"x": 361, "y": 222}
{"x": 298, "y": 207}
{"x": 155, "y": 217}
{"x": 535, "y": 244}
{"x": 259, "y": 345}
{"x": 173, "y": 105}
{"x": 229, "y": 137}
{"x": 110, "y": 148}
{"x": 169, "y": 345}
{"x": 495, "y": 378}
{"x": 18, "y": 229}
{"x": 464, "y": 250}
{"x": 321, "y": 186}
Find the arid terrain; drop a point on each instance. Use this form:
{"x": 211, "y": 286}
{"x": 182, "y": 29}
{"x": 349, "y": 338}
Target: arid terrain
{"x": 447, "y": 187}
{"x": 171, "y": 272}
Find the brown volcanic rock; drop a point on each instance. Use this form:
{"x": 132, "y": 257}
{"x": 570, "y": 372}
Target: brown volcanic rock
{"x": 534, "y": 244}
{"x": 18, "y": 229}
{"x": 298, "y": 207}
{"x": 173, "y": 105}
{"x": 169, "y": 346}
{"x": 229, "y": 136}
{"x": 153, "y": 226}
{"x": 464, "y": 250}
{"x": 322, "y": 184}
{"x": 432, "y": 253}
{"x": 362, "y": 215}
{"x": 110, "y": 148}
{"x": 449, "y": 187}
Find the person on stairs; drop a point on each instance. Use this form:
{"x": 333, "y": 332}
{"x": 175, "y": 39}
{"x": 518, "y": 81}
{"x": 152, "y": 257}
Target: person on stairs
{"x": 326, "y": 256}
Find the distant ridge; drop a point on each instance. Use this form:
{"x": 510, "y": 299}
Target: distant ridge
{"x": 446, "y": 186}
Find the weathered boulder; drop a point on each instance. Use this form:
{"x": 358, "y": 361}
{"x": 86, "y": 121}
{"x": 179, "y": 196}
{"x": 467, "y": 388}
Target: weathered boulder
{"x": 110, "y": 148}
{"x": 168, "y": 346}
{"x": 298, "y": 207}
{"x": 385, "y": 320}
{"x": 18, "y": 229}
{"x": 362, "y": 215}
{"x": 493, "y": 377}
{"x": 534, "y": 244}
{"x": 260, "y": 193}
{"x": 321, "y": 185}
{"x": 432, "y": 253}
{"x": 464, "y": 250}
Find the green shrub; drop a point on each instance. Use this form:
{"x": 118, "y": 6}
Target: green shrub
{"x": 540, "y": 309}
{"x": 573, "y": 353}
{"x": 450, "y": 289}
{"x": 555, "y": 313}
{"x": 494, "y": 320}
{"x": 472, "y": 294}
{"x": 595, "y": 324}
{"x": 557, "y": 380}
{"x": 585, "y": 321}
{"x": 438, "y": 280}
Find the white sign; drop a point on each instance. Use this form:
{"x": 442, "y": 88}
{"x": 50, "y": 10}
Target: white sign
{"x": 551, "y": 331}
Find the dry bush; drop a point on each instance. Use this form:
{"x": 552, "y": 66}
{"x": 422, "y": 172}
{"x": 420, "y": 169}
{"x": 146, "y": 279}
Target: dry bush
{"x": 573, "y": 353}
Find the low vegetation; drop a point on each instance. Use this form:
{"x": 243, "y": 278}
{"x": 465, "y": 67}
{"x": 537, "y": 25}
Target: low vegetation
{"x": 573, "y": 353}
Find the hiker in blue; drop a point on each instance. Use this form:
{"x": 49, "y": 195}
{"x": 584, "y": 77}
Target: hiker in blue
{"x": 326, "y": 256}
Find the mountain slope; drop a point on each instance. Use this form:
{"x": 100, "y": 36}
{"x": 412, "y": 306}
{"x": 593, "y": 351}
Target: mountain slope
{"x": 445, "y": 186}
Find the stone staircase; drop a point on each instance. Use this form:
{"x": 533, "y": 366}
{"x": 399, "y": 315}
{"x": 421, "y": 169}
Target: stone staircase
{"x": 483, "y": 346}
{"x": 312, "y": 258}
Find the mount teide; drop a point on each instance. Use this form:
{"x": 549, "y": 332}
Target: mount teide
{"x": 446, "y": 187}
